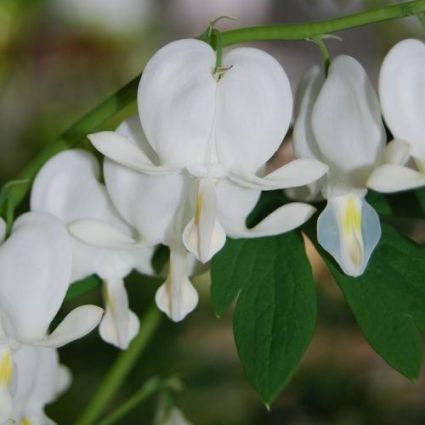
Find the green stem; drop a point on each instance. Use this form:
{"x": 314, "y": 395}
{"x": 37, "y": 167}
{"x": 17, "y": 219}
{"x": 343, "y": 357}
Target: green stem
{"x": 304, "y": 31}
{"x": 149, "y": 388}
{"x": 14, "y": 192}
{"x": 94, "y": 120}
{"x": 121, "y": 368}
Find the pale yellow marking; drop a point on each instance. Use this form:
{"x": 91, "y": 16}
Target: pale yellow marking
{"x": 6, "y": 368}
{"x": 198, "y": 211}
{"x": 352, "y": 227}
{"x": 25, "y": 421}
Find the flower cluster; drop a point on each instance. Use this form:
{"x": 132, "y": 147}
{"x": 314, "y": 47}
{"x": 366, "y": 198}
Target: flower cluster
{"x": 185, "y": 173}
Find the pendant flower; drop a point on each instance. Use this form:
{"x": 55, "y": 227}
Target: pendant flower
{"x": 41, "y": 379}
{"x": 68, "y": 187}
{"x": 402, "y": 93}
{"x": 339, "y": 122}
{"x": 199, "y": 170}
{"x": 35, "y": 271}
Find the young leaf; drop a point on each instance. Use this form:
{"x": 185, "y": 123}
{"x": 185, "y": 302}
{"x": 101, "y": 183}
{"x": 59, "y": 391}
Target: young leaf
{"x": 276, "y": 310}
{"x": 388, "y": 300}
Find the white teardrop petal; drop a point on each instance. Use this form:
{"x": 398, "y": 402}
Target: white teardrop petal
{"x": 304, "y": 140}
{"x": 35, "y": 271}
{"x": 253, "y": 109}
{"x": 78, "y": 323}
{"x": 176, "y": 101}
{"x": 119, "y": 149}
{"x": 101, "y": 234}
{"x": 347, "y": 122}
{"x": 389, "y": 178}
{"x": 402, "y": 93}
{"x": 2, "y": 230}
{"x": 298, "y": 172}
{"x": 397, "y": 152}
{"x": 177, "y": 297}
{"x": 119, "y": 325}
{"x": 204, "y": 236}
{"x": 349, "y": 229}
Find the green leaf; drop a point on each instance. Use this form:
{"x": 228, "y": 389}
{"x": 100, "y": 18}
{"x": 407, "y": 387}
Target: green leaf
{"x": 276, "y": 310}
{"x": 81, "y": 287}
{"x": 388, "y": 300}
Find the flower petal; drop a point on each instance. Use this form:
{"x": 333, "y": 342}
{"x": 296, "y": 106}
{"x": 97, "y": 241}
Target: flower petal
{"x": 35, "y": 271}
{"x": 6, "y": 370}
{"x": 101, "y": 234}
{"x": 253, "y": 109}
{"x": 402, "y": 93}
{"x": 204, "y": 236}
{"x": 78, "y": 323}
{"x": 349, "y": 229}
{"x": 389, "y": 178}
{"x": 119, "y": 325}
{"x": 304, "y": 140}
{"x": 347, "y": 123}
{"x": 2, "y": 230}
{"x": 294, "y": 174}
{"x": 121, "y": 150}
{"x": 397, "y": 152}
{"x": 282, "y": 220}
{"x": 176, "y": 101}
{"x": 149, "y": 203}
{"x": 177, "y": 297}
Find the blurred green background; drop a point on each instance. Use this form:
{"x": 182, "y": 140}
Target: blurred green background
{"x": 58, "y": 59}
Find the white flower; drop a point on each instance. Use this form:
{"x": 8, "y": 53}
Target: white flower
{"x": 198, "y": 172}
{"x": 173, "y": 417}
{"x": 339, "y": 122}
{"x": 41, "y": 379}
{"x": 35, "y": 271}
{"x": 68, "y": 186}
{"x": 402, "y": 93}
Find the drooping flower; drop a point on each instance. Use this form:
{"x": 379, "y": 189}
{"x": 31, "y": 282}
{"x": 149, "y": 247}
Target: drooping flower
{"x": 199, "y": 171}
{"x": 68, "y": 187}
{"x": 339, "y": 122}
{"x": 402, "y": 94}
{"x": 41, "y": 379}
{"x": 35, "y": 271}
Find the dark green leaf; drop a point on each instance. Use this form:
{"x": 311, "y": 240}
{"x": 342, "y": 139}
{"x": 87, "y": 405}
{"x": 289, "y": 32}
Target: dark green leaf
{"x": 276, "y": 310}
{"x": 388, "y": 300}
{"x": 82, "y": 286}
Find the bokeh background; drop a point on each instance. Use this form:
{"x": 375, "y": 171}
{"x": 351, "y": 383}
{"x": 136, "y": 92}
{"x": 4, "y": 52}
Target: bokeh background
{"x": 58, "y": 59}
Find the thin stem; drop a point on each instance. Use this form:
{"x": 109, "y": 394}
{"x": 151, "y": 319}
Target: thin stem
{"x": 121, "y": 368}
{"x": 304, "y": 31}
{"x": 14, "y": 192}
{"x": 149, "y": 388}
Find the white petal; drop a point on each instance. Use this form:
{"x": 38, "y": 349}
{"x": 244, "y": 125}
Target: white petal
{"x": 294, "y": 174}
{"x": 121, "y": 150}
{"x": 253, "y": 110}
{"x": 78, "y": 323}
{"x": 347, "y": 122}
{"x": 282, "y": 220}
{"x": 6, "y": 372}
{"x": 176, "y": 101}
{"x": 349, "y": 229}
{"x": 68, "y": 186}
{"x": 402, "y": 93}
{"x": 204, "y": 236}
{"x": 397, "y": 152}
{"x": 133, "y": 194}
{"x": 119, "y": 325}
{"x": 304, "y": 140}
{"x": 177, "y": 297}
{"x": 2, "y": 230}
{"x": 101, "y": 234}
{"x": 394, "y": 178}
{"x": 35, "y": 270}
